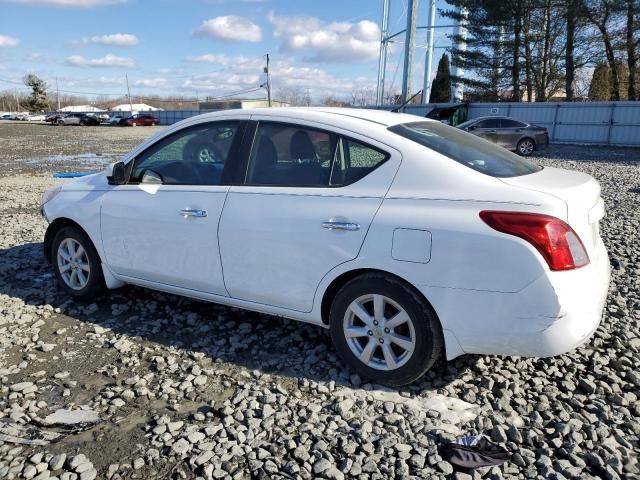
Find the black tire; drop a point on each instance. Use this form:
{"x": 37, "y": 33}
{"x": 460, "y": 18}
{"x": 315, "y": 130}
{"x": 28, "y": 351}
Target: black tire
{"x": 526, "y": 147}
{"x": 428, "y": 332}
{"x": 95, "y": 282}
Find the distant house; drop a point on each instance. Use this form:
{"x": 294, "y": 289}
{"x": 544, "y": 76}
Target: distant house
{"x": 240, "y": 103}
{"x": 135, "y": 107}
{"x": 81, "y": 108}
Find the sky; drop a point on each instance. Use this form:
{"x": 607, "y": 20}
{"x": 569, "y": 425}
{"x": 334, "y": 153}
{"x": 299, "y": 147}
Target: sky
{"x": 203, "y": 48}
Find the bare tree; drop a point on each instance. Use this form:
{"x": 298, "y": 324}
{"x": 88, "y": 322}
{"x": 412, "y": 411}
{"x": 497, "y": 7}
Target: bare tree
{"x": 601, "y": 13}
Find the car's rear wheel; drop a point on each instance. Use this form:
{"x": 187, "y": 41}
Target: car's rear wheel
{"x": 384, "y": 330}
{"x": 76, "y": 263}
{"x": 526, "y": 147}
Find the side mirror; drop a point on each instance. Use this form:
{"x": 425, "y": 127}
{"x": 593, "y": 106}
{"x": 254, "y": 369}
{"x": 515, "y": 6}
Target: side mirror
{"x": 118, "y": 174}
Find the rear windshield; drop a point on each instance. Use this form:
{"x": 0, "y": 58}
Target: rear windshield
{"x": 467, "y": 149}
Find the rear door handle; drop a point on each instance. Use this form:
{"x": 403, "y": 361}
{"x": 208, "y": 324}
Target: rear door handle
{"x": 345, "y": 226}
{"x": 188, "y": 212}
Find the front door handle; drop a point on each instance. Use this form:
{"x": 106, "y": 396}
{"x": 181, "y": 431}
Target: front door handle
{"x": 345, "y": 226}
{"x": 188, "y": 212}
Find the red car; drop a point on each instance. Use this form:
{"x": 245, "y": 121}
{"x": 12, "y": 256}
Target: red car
{"x": 139, "y": 119}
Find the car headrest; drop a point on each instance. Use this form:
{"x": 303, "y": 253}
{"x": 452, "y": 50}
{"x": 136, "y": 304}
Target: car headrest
{"x": 302, "y": 147}
{"x": 266, "y": 155}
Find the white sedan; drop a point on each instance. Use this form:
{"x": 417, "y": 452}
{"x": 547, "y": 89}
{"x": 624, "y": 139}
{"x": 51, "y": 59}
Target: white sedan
{"x": 407, "y": 238}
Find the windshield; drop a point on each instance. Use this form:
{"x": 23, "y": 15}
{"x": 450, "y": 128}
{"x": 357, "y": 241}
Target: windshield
{"x": 467, "y": 149}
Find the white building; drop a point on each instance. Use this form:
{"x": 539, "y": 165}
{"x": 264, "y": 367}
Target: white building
{"x": 81, "y": 108}
{"x": 136, "y": 107}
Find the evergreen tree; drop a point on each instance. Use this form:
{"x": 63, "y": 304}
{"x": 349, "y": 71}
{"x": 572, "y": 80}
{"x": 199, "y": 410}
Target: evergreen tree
{"x": 441, "y": 87}
{"x": 37, "y": 102}
{"x": 600, "y": 88}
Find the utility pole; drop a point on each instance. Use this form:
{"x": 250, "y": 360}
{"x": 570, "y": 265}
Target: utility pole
{"x": 57, "y": 94}
{"x": 382, "y": 61}
{"x": 129, "y": 93}
{"x": 426, "y": 88}
{"x": 266, "y": 70}
{"x": 409, "y": 45}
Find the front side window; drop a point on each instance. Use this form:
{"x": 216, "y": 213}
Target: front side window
{"x": 193, "y": 156}
{"x": 465, "y": 148}
{"x": 290, "y": 155}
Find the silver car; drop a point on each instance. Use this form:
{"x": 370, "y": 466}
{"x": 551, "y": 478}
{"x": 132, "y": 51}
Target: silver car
{"x": 521, "y": 137}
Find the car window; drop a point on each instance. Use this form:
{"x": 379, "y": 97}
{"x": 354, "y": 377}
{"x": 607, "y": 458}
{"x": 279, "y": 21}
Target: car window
{"x": 489, "y": 123}
{"x": 508, "y": 123}
{"x": 354, "y": 160}
{"x": 193, "y": 156}
{"x": 290, "y": 155}
{"x": 465, "y": 148}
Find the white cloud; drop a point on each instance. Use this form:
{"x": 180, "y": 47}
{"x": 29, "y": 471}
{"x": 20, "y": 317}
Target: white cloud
{"x": 67, "y": 3}
{"x": 117, "y": 39}
{"x": 236, "y": 73}
{"x": 327, "y": 42}
{"x": 7, "y": 41}
{"x": 222, "y": 60}
{"x": 151, "y": 82}
{"x": 108, "y": 60}
{"x": 230, "y": 27}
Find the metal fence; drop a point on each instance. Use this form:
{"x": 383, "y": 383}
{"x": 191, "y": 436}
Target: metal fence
{"x": 594, "y": 123}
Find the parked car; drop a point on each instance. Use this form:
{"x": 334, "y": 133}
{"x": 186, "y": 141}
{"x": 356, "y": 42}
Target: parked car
{"x": 115, "y": 119}
{"x": 36, "y": 117}
{"x": 78, "y": 119}
{"x": 23, "y": 117}
{"x": 8, "y": 116}
{"x": 521, "y": 137}
{"x": 139, "y": 119}
{"x": 53, "y": 117}
{"x": 407, "y": 238}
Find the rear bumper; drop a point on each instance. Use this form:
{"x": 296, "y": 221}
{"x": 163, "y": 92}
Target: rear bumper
{"x": 542, "y": 141}
{"x": 553, "y": 315}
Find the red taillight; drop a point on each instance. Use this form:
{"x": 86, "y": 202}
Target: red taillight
{"x": 554, "y": 239}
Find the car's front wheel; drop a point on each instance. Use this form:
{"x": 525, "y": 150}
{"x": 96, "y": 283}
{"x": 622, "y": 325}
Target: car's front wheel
{"x": 385, "y": 330}
{"x": 76, "y": 263}
{"x": 526, "y": 147}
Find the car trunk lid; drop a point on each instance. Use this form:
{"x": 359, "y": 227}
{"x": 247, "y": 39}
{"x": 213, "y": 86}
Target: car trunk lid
{"x": 580, "y": 193}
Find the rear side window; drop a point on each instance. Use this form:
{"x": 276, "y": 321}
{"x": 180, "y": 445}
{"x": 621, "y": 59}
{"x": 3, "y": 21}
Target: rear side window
{"x": 297, "y": 156}
{"x": 489, "y": 123}
{"x": 467, "y": 149}
{"x": 289, "y": 155}
{"x": 508, "y": 123}
{"x": 355, "y": 160}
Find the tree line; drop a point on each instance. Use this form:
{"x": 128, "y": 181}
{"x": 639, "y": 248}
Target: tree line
{"x": 537, "y": 50}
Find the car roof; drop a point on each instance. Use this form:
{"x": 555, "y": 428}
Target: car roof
{"x": 381, "y": 117}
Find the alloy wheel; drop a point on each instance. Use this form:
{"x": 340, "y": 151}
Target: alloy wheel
{"x": 73, "y": 264}
{"x": 379, "y": 332}
{"x": 526, "y": 147}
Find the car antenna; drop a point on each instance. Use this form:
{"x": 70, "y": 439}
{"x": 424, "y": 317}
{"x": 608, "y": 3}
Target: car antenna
{"x": 406, "y": 102}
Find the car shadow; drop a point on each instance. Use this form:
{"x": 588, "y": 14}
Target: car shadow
{"x": 254, "y": 341}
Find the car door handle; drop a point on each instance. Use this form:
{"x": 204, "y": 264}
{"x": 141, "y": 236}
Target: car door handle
{"x": 491, "y": 131}
{"x": 188, "y": 212}
{"x": 346, "y": 226}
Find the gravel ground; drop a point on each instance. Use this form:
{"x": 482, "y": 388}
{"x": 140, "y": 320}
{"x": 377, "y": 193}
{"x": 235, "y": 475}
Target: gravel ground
{"x": 174, "y": 388}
